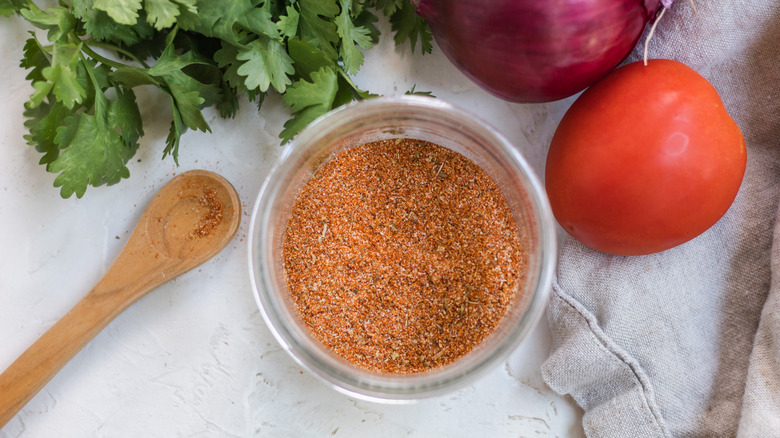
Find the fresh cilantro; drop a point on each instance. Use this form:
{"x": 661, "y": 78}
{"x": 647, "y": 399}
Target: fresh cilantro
{"x": 121, "y": 11}
{"x": 162, "y": 14}
{"x": 61, "y": 77}
{"x": 266, "y": 63}
{"x": 316, "y": 24}
{"x": 413, "y": 91}
{"x": 57, "y": 21}
{"x": 100, "y": 26}
{"x": 309, "y": 100}
{"x": 407, "y": 25}
{"x": 9, "y": 7}
{"x": 82, "y": 114}
{"x": 35, "y": 59}
{"x": 42, "y": 122}
{"x": 288, "y": 23}
{"x": 352, "y": 37}
{"x": 307, "y": 58}
{"x": 94, "y": 151}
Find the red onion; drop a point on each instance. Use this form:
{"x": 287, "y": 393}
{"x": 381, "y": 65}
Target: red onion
{"x": 537, "y": 50}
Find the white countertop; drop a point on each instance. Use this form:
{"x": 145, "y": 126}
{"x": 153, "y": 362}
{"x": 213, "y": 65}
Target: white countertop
{"x": 194, "y": 358}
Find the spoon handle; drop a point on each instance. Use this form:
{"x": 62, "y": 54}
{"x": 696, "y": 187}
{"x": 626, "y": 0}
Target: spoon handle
{"x": 46, "y": 356}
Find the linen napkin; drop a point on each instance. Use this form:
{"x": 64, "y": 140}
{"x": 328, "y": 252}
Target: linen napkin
{"x": 686, "y": 343}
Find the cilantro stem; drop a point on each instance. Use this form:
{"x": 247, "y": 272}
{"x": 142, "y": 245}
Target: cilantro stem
{"x": 99, "y": 102}
{"x": 129, "y": 54}
{"x": 94, "y": 55}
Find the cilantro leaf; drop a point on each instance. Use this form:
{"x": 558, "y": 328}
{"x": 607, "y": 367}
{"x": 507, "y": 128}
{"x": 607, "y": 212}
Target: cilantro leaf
{"x": 95, "y": 147}
{"x": 288, "y": 24}
{"x": 43, "y": 121}
{"x": 388, "y": 7}
{"x": 187, "y": 99}
{"x": 61, "y": 74}
{"x": 307, "y": 57}
{"x": 41, "y": 90}
{"x": 226, "y": 60}
{"x": 267, "y": 63}
{"x": 175, "y": 132}
{"x": 258, "y": 21}
{"x": 227, "y": 104}
{"x": 316, "y": 24}
{"x": 121, "y": 11}
{"x": 319, "y": 92}
{"x": 92, "y": 152}
{"x": 309, "y": 100}
{"x": 413, "y": 91}
{"x": 94, "y": 155}
{"x": 408, "y": 25}
{"x": 125, "y": 116}
{"x": 348, "y": 91}
{"x": 34, "y": 59}
{"x": 185, "y": 90}
{"x": 352, "y": 37}
{"x": 220, "y": 19}
{"x": 162, "y": 14}
{"x": 101, "y": 26}
{"x": 367, "y": 20}
{"x": 9, "y": 7}
{"x": 58, "y": 21}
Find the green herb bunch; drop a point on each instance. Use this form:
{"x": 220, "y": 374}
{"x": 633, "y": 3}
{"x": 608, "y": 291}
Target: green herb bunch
{"x": 83, "y": 116}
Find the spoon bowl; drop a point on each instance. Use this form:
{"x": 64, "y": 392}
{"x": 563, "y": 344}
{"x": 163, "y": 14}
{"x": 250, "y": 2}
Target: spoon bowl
{"x": 191, "y": 219}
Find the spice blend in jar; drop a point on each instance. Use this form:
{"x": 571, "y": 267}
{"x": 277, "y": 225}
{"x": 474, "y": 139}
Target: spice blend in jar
{"x": 401, "y": 256}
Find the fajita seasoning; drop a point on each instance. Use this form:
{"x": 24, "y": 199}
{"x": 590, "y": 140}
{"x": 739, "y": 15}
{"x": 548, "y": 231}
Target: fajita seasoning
{"x": 401, "y": 256}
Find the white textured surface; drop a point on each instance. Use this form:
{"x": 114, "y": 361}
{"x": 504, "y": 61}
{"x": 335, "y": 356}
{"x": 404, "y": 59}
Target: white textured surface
{"x": 194, "y": 357}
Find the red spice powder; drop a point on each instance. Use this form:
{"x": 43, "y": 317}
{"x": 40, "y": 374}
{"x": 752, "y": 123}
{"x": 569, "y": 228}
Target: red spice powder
{"x": 401, "y": 256}
{"x": 213, "y": 216}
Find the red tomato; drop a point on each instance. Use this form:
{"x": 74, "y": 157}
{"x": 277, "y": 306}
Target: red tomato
{"x": 644, "y": 160}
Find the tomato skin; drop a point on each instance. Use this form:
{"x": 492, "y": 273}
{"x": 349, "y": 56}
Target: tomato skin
{"x": 644, "y": 160}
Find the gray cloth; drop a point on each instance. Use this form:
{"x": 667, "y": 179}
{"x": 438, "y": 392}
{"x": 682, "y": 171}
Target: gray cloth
{"x": 687, "y": 342}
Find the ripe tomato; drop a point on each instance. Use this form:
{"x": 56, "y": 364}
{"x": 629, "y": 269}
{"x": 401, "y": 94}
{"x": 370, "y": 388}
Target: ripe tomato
{"x": 644, "y": 160}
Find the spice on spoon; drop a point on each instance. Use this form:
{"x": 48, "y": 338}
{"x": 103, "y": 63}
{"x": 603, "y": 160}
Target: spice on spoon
{"x": 401, "y": 256}
{"x": 213, "y": 214}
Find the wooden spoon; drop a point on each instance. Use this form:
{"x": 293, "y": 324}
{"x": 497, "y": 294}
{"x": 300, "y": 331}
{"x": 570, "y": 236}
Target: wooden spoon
{"x": 190, "y": 220}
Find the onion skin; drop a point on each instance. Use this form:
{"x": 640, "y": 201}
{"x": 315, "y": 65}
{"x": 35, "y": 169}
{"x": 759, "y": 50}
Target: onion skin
{"x": 536, "y": 50}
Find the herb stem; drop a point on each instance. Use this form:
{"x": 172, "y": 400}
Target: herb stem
{"x": 99, "y": 102}
{"x": 94, "y": 55}
{"x": 127, "y": 53}
{"x": 30, "y": 4}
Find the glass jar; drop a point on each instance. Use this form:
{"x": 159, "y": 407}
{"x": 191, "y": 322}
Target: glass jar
{"x": 415, "y": 117}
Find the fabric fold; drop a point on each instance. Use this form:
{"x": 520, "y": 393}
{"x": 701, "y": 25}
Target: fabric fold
{"x": 761, "y": 402}
{"x": 601, "y": 377}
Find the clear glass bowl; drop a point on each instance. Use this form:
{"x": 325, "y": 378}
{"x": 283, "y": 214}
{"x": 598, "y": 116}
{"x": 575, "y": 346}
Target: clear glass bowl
{"x": 375, "y": 119}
